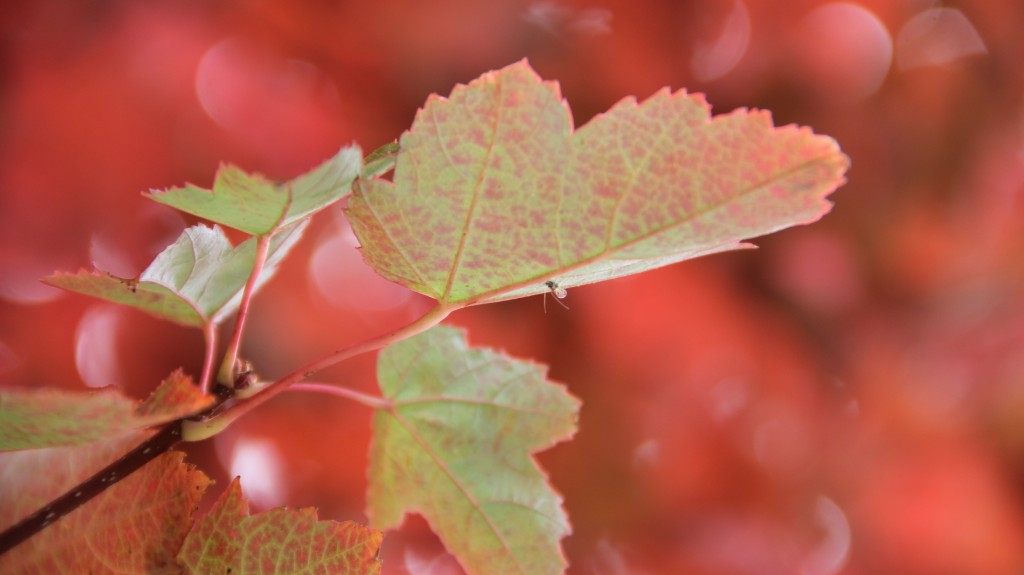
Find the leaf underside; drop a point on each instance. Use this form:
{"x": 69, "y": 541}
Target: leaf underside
{"x": 135, "y": 526}
{"x": 280, "y": 541}
{"x": 494, "y": 192}
{"x": 196, "y": 280}
{"x": 40, "y": 418}
{"x": 255, "y": 205}
{"x": 456, "y": 448}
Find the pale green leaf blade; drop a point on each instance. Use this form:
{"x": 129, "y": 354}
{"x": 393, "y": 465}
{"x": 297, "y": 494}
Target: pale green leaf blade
{"x": 324, "y": 185}
{"x": 49, "y": 417}
{"x": 277, "y": 542}
{"x": 255, "y": 205}
{"x": 220, "y": 295}
{"x": 197, "y": 279}
{"x": 494, "y": 194}
{"x": 135, "y": 526}
{"x": 456, "y": 448}
{"x": 247, "y": 202}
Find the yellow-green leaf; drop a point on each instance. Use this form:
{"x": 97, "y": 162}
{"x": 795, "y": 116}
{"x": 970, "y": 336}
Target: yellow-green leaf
{"x": 456, "y": 447}
{"x": 253, "y": 204}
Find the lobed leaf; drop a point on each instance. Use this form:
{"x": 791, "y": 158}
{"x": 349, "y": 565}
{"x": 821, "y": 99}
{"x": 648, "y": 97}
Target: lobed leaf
{"x": 280, "y": 541}
{"x": 494, "y": 192}
{"x": 38, "y": 418}
{"x": 456, "y": 447}
{"x": 255, "y": 205}
{"x": 196, "y": 280}
{"x": 135, "y": 526}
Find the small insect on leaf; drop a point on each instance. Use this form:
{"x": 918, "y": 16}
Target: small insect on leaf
{"x": 559, "y": 293}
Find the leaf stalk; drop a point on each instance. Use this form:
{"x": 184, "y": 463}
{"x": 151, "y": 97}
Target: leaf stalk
{"x": 210, "y": 340}
{"x": 373, "y": 401}
{"x": 226, "y": 376}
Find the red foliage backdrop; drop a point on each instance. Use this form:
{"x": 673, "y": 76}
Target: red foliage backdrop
{"x": 846, "y": 400}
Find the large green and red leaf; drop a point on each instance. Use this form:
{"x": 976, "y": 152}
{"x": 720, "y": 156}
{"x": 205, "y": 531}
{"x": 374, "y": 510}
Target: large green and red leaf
{"x": 455, "y": 446}
{"x": 494, "y": 193}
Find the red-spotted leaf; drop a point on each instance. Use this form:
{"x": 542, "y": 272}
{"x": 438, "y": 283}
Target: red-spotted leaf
{"x": 253, "y": 204}
{"x": 494, "y": 192}
{"x": 456, "y": 447}
{"x": 37, "y": 418}
{"x": 135, "y": 526}
{"x": 277, "y": 542}
{"x": 196, "y": 280}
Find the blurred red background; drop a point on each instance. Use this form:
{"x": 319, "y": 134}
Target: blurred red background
{"x": 846, "y": 400}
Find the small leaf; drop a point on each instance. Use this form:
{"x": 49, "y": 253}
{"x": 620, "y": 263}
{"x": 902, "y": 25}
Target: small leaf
{"x": 255, "y": 205}
{"x": 280, "y": 541}
{"x": 494, "y": 193}
{"x": 37, "y": 418}
{"x": 456, "y": 447}
{"x": 136, "y": 526}
{"x": 196, "y": 280}
{"x": 176, "y": 397}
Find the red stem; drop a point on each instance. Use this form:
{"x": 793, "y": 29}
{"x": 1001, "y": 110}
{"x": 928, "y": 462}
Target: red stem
{"x": 227, "y": 367}
{"x": 374, "y": 401}
{"x": 210, "y": 338}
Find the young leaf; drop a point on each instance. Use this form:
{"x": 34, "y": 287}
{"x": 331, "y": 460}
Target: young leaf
{"x": 38, "y": 418}
{"x": 136, "y": 526}
{"x": 255, "y": 205}
{"x": 456, "y": 447}
{"x": 196, "y": 280}
{"x": 280, "y": 541}
{"x": 493, "y": 191}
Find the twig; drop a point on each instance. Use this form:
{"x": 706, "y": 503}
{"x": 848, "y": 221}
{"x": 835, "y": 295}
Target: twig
{"x": 147, "y": 451}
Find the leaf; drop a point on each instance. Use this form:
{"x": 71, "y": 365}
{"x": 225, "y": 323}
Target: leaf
{"x": 255, "y": 205}
{"x": 135, "y": 526}
{"x": 280, "y": 541}
{"x": 456, "y": 445}
{"x": 197, "y": 279}
{"x": 494, "y": 193}
{"x": 37, "y": 418}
